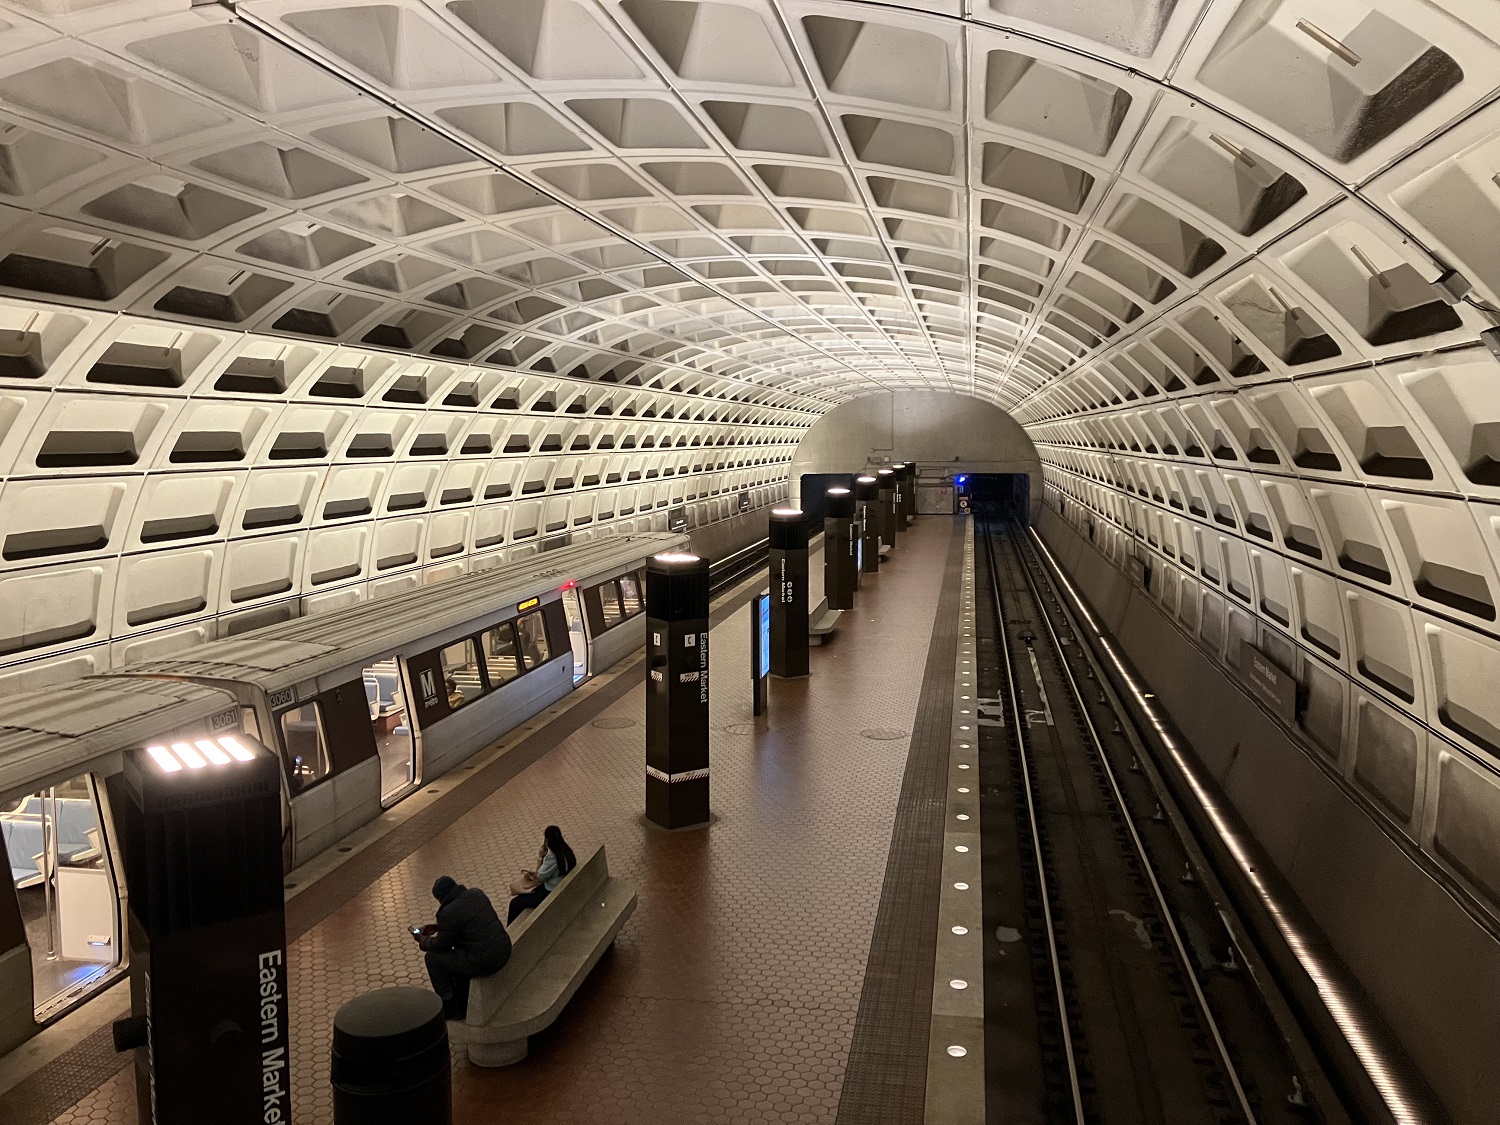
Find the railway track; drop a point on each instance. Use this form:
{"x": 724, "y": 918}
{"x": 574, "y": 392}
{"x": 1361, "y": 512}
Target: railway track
{"x": 1141, "y": 1010}
{"x": 732, "y": 569}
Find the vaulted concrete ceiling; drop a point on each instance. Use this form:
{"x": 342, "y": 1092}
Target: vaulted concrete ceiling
{"x": 819, "y": 197}
{"x": 298, "y": 298}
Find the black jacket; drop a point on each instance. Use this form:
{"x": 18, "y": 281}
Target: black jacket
{"x": 467, "y": 923}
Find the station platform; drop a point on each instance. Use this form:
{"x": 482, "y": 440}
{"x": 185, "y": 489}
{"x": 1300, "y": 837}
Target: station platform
{"x": 779, "y": 966}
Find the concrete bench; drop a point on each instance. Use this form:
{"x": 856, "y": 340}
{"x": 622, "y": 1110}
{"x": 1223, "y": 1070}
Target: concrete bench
{"x": 821, "y": 622}
{"x": 552, "y": 949}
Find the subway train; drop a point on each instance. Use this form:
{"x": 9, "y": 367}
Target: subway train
{"x": 362, "y": 705}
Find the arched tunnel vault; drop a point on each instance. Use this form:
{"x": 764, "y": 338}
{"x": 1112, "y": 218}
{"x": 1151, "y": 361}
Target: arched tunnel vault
{"x": 305, "y": 301}
{"x": 930, "y": 428}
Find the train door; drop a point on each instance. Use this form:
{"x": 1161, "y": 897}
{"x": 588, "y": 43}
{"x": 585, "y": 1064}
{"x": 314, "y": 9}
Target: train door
{"x": 67, "y": 889}
{"x": 385, "y": 689}
{"x": 577, "y": 633}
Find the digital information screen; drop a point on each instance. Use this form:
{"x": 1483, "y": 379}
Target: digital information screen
{"x": 760, "y": 651}
{"x": 763, "y": 625}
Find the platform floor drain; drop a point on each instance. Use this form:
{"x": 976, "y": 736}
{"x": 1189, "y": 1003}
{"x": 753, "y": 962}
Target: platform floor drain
{"x": 882, "y": 734}
{"x": 739, "y": 728}
{"x": 608, "y": 723}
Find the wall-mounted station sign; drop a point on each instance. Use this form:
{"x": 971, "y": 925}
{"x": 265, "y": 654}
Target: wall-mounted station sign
{"x": 1268, "y": 682}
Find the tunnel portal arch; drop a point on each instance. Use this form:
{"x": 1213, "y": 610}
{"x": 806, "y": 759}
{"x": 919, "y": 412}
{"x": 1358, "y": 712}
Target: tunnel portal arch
{"x": 939, "y": 430}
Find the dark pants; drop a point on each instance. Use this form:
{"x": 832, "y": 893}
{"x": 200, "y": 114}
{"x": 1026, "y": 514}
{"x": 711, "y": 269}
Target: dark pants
{"x": 525, "y": 902}
{"x": 450, "y": 971}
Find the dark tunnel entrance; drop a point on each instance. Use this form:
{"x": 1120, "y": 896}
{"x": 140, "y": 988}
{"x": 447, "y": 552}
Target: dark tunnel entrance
{"x": 995, "y": 495}
{"x": 991, "y": 495}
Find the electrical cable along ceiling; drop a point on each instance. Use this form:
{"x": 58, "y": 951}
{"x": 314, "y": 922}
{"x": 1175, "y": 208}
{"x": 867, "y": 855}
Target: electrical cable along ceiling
{"x": 306, "y": 301}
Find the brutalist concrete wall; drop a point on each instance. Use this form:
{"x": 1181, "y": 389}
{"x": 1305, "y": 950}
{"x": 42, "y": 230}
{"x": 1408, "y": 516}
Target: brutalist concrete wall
{"x": 1428, "y": 965}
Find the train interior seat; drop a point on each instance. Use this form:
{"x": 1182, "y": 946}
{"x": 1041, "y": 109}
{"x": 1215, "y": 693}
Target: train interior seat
{"x": 24, "y": 840}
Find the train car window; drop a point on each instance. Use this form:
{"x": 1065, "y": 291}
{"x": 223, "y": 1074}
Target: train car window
{"x": 462, "y": 678}
{"x": 532, "y": 631}
{"x": 630, "y": 595}
{"x": 307, "y": 761}
{"x": 593, "y": 607}
{"x": 66, "y": 890}
{"x": 347, "y": 727}
{"x": 555, "y": 623}
{"x": 501, "y": 659}
{"x": 609, "y": 599}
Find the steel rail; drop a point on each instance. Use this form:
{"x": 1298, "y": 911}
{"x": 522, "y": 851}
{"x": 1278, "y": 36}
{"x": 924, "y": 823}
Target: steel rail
{"x": 1179, "y": 945}
{"x": 1018, "y": 716}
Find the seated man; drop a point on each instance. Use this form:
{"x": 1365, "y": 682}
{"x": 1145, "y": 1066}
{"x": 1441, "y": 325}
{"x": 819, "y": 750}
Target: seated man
{"x": 467, "y": 941}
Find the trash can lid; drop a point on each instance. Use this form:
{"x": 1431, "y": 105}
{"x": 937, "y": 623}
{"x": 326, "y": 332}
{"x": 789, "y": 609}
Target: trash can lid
{"x": 388, "y": 1024}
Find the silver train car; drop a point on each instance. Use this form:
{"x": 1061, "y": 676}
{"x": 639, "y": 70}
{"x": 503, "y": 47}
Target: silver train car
{"x": 62, "y": 932}
{"x": 362, "y": 705}
{"x": 366, "y": 703}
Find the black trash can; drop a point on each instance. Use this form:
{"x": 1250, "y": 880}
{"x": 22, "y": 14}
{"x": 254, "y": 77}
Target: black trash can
{"x": 390, "y": 1060}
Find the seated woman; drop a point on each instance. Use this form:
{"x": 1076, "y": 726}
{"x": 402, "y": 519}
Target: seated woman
{"x": 554, "y": 861}
{"x": 466, "y": 941}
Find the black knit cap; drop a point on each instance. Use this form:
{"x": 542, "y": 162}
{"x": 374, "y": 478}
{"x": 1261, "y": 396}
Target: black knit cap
{"x": 444, "y": 886}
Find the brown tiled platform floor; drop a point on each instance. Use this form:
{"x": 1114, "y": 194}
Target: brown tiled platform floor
{"x": 731, "y": 995}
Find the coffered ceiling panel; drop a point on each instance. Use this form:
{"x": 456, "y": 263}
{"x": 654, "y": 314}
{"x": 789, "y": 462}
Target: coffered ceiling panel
{"x": 256, "y": 259}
